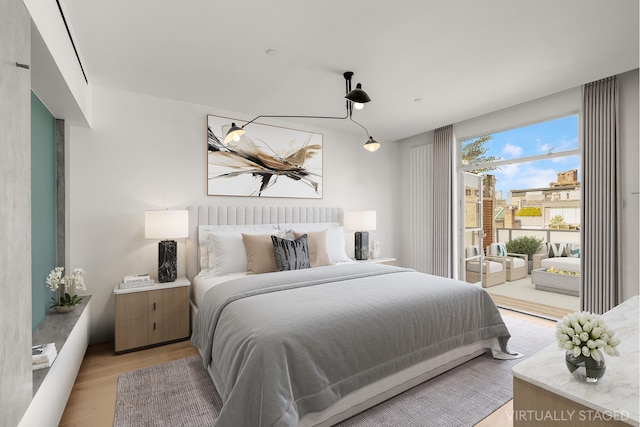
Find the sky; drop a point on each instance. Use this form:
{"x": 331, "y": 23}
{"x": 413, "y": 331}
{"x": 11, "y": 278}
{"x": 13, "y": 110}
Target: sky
{"x": 556, "y": 135}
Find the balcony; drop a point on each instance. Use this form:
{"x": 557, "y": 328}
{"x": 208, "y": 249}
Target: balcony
{"x": 521, "y": 294}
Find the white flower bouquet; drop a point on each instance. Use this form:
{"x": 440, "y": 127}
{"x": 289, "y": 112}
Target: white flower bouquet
{"x": 66, "y": 286}
{"x": 585, "y": 334}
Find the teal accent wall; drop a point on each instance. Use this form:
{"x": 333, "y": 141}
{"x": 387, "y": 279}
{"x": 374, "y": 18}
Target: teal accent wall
{"x": 43, "y": 205}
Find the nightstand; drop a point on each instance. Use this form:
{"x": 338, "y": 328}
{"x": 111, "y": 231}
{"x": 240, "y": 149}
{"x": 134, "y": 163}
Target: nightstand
{"x": 386, "y": 261}
{"x": 152, "y": 315}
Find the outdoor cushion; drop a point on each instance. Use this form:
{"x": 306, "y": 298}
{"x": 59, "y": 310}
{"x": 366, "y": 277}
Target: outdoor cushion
{"x": 494, "y": 267}
{"x": 562, "y": 263}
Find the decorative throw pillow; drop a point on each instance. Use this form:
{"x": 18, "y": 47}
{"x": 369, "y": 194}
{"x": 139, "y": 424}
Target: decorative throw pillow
{"x": 259, "y": 249}
{"x": 317, "y": 243}
{"x": 472, "y": 251}
{"x": 497, "y": 249}
{"x": 557, "y": 250}
{"x": 575, "y": 250}
{"x": 502, "y": 249}
{"x": 291, "y": 254}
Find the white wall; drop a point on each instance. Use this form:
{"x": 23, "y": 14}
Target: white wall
{"x": 562, "y": 103}
{"x": 146, "y": 152}
{"x": 629, "y": 156}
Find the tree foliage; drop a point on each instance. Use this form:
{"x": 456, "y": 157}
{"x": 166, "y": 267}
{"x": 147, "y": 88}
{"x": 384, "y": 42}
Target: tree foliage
{"x": 528, "y": 245}
{"x": 557, "y": 223}
{"x": 474, "y": 153}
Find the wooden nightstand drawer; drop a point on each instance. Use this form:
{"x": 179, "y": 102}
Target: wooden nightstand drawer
{"x": 151, "y": 315}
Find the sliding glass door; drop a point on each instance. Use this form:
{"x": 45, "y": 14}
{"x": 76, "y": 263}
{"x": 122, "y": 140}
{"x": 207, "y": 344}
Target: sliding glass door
{"x": 471, "y": 225}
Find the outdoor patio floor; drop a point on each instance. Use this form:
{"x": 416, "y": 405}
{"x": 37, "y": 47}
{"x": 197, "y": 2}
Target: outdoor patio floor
{"x": 523, "y": 289}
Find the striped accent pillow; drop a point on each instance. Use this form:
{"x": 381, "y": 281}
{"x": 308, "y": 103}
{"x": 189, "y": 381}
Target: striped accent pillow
{"x": 291, "y": 254}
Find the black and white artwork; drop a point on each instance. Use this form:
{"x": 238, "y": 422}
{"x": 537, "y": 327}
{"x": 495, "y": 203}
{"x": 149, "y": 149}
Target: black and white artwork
{"x": 266, "y": 161}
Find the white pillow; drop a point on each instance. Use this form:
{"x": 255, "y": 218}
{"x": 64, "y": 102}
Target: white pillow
{"x": 206, "y": 242}
{"x": 226, "y": 253}
{"x": 336, "y": 245}
{"x": 335, "y": 237}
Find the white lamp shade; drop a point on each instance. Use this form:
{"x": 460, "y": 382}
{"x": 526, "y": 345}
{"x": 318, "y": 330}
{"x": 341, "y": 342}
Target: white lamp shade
{"x": 166, "y": 224}
{"x": 360, "y": 220}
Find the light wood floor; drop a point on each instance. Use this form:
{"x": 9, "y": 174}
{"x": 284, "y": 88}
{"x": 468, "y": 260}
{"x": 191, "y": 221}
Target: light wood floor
{"x": 92, "y": 400}
{"x": 93, "y": 397}
{"x": 531, "y": 307}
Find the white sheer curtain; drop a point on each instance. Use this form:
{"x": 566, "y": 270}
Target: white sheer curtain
{"x": 421, "y": 215}
{"x": 442, "y": 201}
{"x": 601, "y": 261}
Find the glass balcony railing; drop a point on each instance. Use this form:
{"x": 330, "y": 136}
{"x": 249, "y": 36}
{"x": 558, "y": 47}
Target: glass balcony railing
{"x": 548, "y": 235}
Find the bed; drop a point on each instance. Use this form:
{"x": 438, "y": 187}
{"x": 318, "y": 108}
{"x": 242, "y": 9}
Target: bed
{"x": 314, "y": 346}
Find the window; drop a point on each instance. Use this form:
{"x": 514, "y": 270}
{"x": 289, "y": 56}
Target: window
{"x": 529, "y": 160}
{"x": 530, "y": 187}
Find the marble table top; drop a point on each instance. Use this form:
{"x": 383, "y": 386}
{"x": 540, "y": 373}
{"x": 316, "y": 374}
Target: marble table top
{"x": 616, "y": 393}
{"x": 180, "y": 281}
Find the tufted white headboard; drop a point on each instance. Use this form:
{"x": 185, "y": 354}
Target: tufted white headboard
{"x": 249, "y": 215}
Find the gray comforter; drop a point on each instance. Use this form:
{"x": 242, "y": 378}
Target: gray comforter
{"x": 282, "y": 345}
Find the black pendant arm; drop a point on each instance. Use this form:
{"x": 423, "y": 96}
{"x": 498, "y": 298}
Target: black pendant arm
{"x": 365, "y": 129}
{"x": 293, "y": 117}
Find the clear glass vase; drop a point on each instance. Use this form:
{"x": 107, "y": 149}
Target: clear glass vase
{"x": 586, "y": 369}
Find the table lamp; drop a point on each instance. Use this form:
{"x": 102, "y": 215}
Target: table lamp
{"x": 362, "y": 222}
{"x": 167, "y": 225}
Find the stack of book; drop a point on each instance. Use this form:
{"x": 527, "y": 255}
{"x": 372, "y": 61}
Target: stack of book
{"x": 136, "y": 281}
{"x": 42, "y": 356}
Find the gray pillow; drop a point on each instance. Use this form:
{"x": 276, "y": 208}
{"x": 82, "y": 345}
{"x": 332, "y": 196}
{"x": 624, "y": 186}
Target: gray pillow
{"x": 291, "y": 254}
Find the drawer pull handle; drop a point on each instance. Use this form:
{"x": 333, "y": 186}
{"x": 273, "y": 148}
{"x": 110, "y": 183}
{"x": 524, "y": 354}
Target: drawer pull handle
{"x": 154, "y": 326}
{"x": 154, "y": 305}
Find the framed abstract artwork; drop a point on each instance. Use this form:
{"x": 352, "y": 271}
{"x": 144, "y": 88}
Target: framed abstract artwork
{"x": 267, "y": 161}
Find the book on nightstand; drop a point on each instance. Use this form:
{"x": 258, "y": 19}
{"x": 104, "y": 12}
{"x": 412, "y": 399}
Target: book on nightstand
{"x": 42, "y": 356}
{"x": 137, "y": 284}
{"x": 136, "y": 278}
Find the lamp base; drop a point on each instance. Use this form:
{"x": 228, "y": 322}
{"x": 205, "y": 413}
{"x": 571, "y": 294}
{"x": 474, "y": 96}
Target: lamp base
{"x": 362, "y": 245}
{"x": 167, "y": 264}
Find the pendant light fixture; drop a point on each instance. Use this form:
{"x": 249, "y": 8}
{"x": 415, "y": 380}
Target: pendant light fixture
{"x": 233, "y": 134}
{"x": 371, "y": 145}
{"x": 356, "y": 98}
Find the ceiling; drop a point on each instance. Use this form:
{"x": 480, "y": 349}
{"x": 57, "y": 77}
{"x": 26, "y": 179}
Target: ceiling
{"x": 462, "y": 58}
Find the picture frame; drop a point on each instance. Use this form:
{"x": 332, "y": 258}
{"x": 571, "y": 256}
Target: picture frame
{"x": 266, "y": 161}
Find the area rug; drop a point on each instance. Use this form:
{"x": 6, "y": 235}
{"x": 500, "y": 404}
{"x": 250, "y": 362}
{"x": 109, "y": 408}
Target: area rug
{"x": 180, "y": 393}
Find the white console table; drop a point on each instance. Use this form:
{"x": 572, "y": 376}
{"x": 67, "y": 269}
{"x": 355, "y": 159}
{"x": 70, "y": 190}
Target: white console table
{"x": 52, "y": 386}
{"x": 546, "y": 394}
